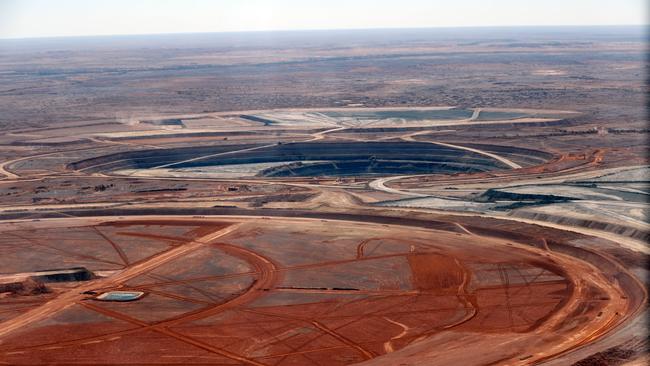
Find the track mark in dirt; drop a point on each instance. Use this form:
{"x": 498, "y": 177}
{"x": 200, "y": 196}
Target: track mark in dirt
{"x": 115, "y": 246}
{"x": 388, "y": 345}
{"x": 361, "y": 247}
{"x": 464, "y": 229}
{"x": 66, "y": 252}
{"x": 364, "y": 352}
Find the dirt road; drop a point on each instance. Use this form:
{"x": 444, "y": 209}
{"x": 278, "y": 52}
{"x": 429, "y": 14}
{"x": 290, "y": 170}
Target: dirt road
{"x": 380, "y": 185}
{"x": 499, "y": 158}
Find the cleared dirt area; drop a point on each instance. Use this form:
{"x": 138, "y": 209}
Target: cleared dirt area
{"x": 322, "y": 293}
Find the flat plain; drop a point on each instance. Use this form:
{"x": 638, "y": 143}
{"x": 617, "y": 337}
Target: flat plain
{"x": 386, "y": 197}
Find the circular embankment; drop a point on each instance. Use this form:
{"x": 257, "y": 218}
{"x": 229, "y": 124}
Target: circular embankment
{"x": 306, "y": 159}
{"x": 343, "y": 288}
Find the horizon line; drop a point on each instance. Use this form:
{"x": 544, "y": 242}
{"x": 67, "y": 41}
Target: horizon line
{"x": 646, "y": 25}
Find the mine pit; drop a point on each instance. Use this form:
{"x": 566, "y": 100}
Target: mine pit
{"x": 304, "y": 159}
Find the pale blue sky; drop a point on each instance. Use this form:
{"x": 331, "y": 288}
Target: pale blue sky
{"x": 46, "y": 18}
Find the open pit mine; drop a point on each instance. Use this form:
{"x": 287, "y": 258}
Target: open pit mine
{"x": 324, "y": 237}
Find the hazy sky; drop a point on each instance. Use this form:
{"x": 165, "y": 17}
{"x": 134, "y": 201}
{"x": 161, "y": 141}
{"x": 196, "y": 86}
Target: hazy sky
{"x": 45, "y": 18}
